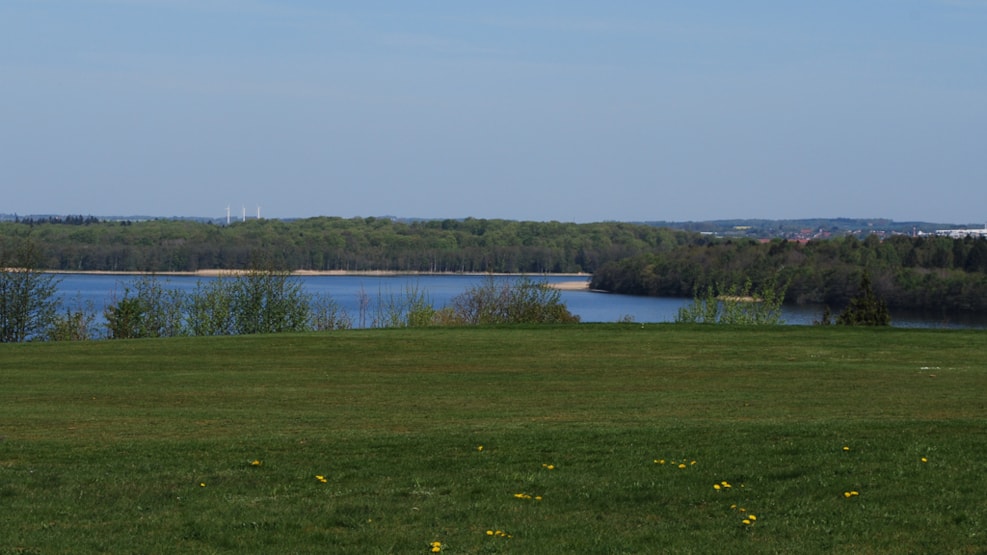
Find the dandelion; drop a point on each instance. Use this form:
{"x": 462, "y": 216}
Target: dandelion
{"x": 693, "y": 462}
{"x": 202, "y": 484}
{"x": 537, "y": 498}
{"x": 746, "y": 521}
{"x": 479, "y": 448}
{"x": 716, "y": 487}
{"x": 659, "y": 461}
{"x": 682, "y": 465}
{"x": 321, "y": 478}
{"x": 752, "y": 517}
{"x": 436, "y": 547}
{"x": 498, "y": 534}
{"x": 726, "y": 484}
{"x": 925, "y": 460}
{"x": 255, "y": 462}
{"x": 846, "y": 447}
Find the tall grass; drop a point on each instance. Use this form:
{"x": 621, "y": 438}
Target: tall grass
{"x": 571, "y": 439}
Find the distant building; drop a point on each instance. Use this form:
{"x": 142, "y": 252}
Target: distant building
{"x": 962, "y": 233}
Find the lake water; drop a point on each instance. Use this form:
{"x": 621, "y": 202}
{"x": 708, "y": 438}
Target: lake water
{"x": 101, "y": 290}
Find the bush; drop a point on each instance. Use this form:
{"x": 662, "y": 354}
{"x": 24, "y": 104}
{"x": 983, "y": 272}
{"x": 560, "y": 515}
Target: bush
{"x": 735, "y": 305}
{"x": 147, "y": 309}
{"x": 28, "y": 301}
{"x": 523, "y": 301}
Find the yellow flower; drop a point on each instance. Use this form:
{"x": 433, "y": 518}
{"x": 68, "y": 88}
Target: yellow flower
{"x": 854, "y": 493}
{"x": 726, "y": 484}
{"x": 479, "y": 448}
{"x": 321, "y": 478}
{"x": 751, "y": 517}
{"x": 537, "y": 498}
{"x": 925, "y": 459}
{"x": 846, "y": 447}
{"x": 255, "y": 463}
{"x": 202, "y": 484}
{"x": 682, "y": 465}
{"x": 745, "y": 521}
{"x": 490, "y": 532}
{"x": 693, "y": 462}
{"x": 846, "y": 494}
{"x": 716, "y": 486}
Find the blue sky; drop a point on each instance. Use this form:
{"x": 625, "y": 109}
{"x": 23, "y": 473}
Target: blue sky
{"x": 531, "y": 110}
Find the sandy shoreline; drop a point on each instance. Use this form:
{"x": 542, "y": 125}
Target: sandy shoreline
{"x": 562, "y": 285}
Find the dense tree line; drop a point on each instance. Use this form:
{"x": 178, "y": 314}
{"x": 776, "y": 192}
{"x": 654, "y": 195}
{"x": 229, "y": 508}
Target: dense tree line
{"x": 354, "y": 244}
{"x": 930, "y": 273}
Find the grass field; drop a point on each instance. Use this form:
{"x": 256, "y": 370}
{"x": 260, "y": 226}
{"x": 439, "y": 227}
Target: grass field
{"x": 574, "y": 439}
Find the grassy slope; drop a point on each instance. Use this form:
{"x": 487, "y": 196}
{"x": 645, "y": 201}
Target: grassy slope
{"x": 106, "y": 445}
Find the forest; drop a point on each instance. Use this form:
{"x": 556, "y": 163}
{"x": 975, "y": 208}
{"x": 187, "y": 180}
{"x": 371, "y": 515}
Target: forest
{"x": 921, "y": 273}
{"x": 353, "y": 244}
{"x": 925, "y": 272}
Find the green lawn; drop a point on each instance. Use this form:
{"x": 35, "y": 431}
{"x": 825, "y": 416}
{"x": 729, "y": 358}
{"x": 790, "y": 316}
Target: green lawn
{"x": 595, "y": 439}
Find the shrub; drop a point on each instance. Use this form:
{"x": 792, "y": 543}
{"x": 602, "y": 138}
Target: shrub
{"x": 523, "y": 301}
{"x": 739, "y": 305}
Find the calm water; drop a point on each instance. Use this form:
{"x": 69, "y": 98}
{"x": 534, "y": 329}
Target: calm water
{"x": 101, "y": 290}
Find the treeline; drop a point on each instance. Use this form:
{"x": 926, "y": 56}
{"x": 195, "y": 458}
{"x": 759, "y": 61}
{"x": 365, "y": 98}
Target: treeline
{"x": 924, "y": 273}
{"x": 354, "y": 244}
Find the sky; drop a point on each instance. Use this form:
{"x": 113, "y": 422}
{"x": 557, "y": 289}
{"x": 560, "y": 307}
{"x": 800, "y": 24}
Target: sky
{"x": 567, "y": 110}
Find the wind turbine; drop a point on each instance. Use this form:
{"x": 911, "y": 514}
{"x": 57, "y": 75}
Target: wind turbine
{"x": 258, "y": 211}
{"x": 243, "y": 216}
{"x": 227, "y": 214}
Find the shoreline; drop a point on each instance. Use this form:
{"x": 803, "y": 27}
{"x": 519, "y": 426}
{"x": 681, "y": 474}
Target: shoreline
{"x": 582, "y": 285}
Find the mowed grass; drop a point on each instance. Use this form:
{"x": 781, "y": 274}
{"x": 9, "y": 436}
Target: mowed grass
{"x": 574, "y": 439}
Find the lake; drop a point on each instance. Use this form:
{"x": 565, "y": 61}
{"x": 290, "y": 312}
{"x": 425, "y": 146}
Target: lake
{"x": 101, "y": 290}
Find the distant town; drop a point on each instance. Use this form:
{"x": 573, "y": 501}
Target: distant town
{"x": 794, "y": 230}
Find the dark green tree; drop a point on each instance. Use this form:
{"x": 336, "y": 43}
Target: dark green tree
{"x": 865, "y": 309}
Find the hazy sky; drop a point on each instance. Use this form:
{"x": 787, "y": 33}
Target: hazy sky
{"x": 566, "y": 110}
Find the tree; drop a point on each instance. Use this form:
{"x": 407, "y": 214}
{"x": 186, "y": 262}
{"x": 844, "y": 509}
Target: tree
{"x": 28, "y": 301}
{"x": 865, "y": 309}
